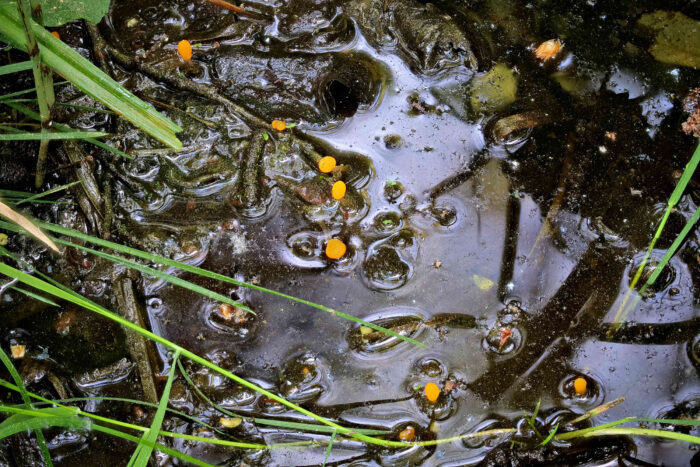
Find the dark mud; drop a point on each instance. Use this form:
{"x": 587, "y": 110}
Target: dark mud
{"x": 458, "y": 224}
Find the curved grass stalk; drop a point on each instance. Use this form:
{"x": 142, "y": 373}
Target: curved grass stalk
{"x": 80, "y": 301}
{"x": 25, "y": 398}
{"x": 193, "y": 269}
{"x": 633, "y": 432}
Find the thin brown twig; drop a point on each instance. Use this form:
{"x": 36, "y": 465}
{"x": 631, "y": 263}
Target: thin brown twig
{"x": 235, "y": 8}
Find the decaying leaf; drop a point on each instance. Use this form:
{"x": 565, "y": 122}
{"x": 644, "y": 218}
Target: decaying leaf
{"x": 23, "y": 222}
{"x": 676, "y": 37}
{"x": 60, "y": 12}
{"x": 482, "y": 282}
{"x": 495, "y": 90}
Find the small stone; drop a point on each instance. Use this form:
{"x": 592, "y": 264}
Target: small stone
{"x": 437, "y": 264}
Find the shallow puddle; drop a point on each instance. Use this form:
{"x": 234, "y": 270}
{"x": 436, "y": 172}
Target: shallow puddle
{"x": 500, "y": 231}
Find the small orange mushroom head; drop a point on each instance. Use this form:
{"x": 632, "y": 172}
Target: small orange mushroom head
{"x": 184, "y": 48}
{"x": 335, "y": 249}
{"x": 338, "y": 190}
{"x": 580, "y": 386}
{"x": 278, "y": 125}
{"x": 326, "y": 164}
{"x": 432, "y": 392}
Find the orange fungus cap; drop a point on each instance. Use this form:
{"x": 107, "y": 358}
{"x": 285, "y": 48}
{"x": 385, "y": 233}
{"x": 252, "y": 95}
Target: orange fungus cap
{"x": 335, "y": 249}
{"x": 326, "y": 164}
{"x": 338, "y": 190}
{"x": 184, "y": 48}
{"x": 432, "y": 392}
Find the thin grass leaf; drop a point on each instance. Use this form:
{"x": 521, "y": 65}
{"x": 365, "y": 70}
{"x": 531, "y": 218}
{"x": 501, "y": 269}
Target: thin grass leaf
{"x": 15, "y": 67}
{"x": 64, "y": 104}
{"x": 24, "y": 223}
{"x": 144, "y": 449}
{"x": 39, "y": 423}
{"x": 550, "y": 435}
{"x": 677, "y": 242}
{"x": 623, "y": 310}
{"x": 48, "y": 192}
{"x": 46, "y": 136}
{"x": 160, "y": 447}
{"x": 12, "y": 95}
{"x": 31, "y": 114}
{"x": 25, "y": 398}
{"x": 312, "y": 427}
{"x": 270, "y": 422}
{"x": 634, "y": 432}
{"x": 212, "y": 275}
{"x": 80, "y": 301}
{"x": 330, "y": 446}
{"x": 35, "y": 296}
{"x": 90, "y": 79}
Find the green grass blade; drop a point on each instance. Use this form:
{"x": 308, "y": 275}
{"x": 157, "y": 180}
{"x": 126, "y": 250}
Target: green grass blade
{"x": 31, "y": 114}
{"x": 90, "y": 79}
{"x": 32, "y": 281}
{"x": 159, "y": 275}
{"x": 38, "y": 423}
{"x": 623, "y": 310}
{"x": 15, "y": 67}
{"x": 313, "y": 428}
{"x": 160, "y": 447}
{"x": 23, "y": 92}
{"x": 211, "y": 275}
{"x": 637, "y": 432}
{"x": 35, "y": 296}
{"x": 144, "y": 449}
{"x": 27, "y": 136}
{"x": 25, "y": 398}
{"x": 550, "y": 435}
{"x": 330, "y": 446}
{"x": 48, "y": 192}
{"x": 677, "y": 242}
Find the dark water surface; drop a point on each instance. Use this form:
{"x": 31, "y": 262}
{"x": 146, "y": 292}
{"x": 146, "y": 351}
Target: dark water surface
{"x": 454, "y": 230}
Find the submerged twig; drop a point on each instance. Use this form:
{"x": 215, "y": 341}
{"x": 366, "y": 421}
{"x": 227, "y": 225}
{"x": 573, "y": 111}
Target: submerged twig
{"x": 42, "y": 78}
{"x": 139, "y": 346}
{"x": 231, "y": 7}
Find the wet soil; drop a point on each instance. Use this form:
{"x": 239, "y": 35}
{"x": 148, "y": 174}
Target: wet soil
{"x": 456, "y": 227}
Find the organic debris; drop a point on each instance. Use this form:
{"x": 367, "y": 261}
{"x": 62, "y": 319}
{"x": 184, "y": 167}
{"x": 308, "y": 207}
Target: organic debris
{"x": 548, "y": 50}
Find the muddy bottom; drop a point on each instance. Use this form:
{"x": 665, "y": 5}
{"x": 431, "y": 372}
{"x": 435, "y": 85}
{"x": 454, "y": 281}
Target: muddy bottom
{"x": 497, "y": 207}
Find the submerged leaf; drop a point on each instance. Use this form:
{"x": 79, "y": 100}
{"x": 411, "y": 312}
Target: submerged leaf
{"x": 495, "y": 90}
{"x": 482, "y": 282}
{"x": 59, "y": 12}
{"x": 677, "y": 37}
